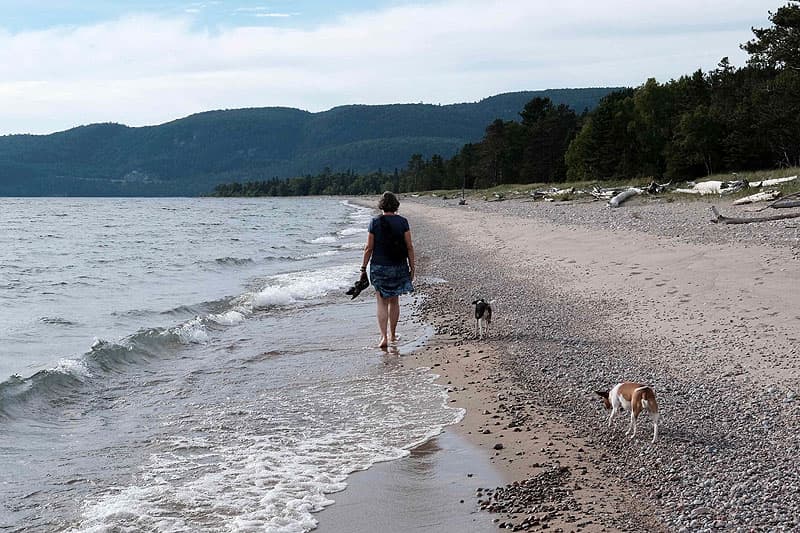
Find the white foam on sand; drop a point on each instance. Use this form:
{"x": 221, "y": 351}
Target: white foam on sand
{"x": 273, "y": 469}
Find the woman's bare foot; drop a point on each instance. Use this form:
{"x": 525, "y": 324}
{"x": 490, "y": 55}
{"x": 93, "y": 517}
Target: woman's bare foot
{"x": 383, "y": 343}
{"x": 394, "y": 338}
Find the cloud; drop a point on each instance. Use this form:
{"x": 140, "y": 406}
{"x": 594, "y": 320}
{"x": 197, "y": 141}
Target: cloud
{"x": 263, "y": 12}
{"x": 276, "y": 15}
{"x": 147, "y": 69}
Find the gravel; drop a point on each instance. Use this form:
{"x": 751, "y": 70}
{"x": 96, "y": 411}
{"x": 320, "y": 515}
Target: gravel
{"x": 727, "y": 455}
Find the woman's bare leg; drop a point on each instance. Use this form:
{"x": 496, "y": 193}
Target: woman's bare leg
{"x": 383, "y": 318}
{"x": 394, "y": 316}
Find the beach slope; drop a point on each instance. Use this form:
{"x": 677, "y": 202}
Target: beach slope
{"x": 584, "y": 297}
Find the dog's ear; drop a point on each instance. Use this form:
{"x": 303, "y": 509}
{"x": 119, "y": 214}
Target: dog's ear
{"x": 602, "y": 394}
{"x": 474, "y": 302}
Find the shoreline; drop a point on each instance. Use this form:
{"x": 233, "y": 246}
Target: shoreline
{"x": 582, "y": 304}
{"x": 424, "y": 491}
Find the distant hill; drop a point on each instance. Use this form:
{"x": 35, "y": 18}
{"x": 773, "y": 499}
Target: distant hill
{"x": 191, "y": 155}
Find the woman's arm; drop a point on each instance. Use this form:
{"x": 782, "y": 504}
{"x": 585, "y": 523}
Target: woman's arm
{"x": 368, "y": 248}
{"x": 411, "y": 257}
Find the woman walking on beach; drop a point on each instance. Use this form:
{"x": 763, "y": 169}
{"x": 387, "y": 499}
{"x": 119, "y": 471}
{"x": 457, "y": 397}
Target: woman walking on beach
{"x": 390, "y": 254}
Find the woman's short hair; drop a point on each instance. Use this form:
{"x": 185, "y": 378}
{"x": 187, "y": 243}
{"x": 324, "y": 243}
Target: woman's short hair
{"x": 388, "y": 202}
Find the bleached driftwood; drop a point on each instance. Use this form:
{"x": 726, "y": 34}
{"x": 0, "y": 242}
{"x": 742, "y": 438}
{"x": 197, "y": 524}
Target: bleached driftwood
{"x": 764, "y": 196}
{"x": 624, "y": 195}
{"x": 791, "y": 200}
{"x": 561, "y": 192}
{"x": 719, "y": 219}
{"x": 605, "y": 193}
{"x": 549, "y": 194}
{"x": 774, "y": 181}
{"x": 703, "y": 188}
{"x": 655, "y": 188}
{"x": 715, "y": 187}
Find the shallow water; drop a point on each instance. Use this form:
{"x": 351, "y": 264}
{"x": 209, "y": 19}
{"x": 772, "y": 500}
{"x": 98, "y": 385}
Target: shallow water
{"x": 192, "y": 365}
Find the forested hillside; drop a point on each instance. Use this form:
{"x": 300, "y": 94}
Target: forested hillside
{"x": 191, "y": 155}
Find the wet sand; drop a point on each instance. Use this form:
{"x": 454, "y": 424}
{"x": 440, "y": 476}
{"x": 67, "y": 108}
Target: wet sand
{"x": 433, "y": 489}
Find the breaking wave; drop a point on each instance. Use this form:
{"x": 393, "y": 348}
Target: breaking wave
{"x": 71, "y": 373}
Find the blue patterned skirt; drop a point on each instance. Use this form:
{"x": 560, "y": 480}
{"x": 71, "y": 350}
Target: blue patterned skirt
{"x": 390, "y": 280}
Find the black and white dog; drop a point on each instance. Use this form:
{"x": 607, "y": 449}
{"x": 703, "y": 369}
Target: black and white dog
{"x": 483, "y": 316}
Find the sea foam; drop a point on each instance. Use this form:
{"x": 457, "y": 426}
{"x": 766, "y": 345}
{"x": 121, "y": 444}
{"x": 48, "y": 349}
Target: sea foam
{"x": 273, "y": 469}
{"x": 287, "y": 289}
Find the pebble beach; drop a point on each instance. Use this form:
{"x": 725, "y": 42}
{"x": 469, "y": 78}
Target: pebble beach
{"x": 584, "y": 297}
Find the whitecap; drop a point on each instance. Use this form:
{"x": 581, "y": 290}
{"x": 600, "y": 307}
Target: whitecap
{"x": 323, "y": 240}
{"x": 228, "y": 318}
{"x": 73, "y": 367}
{"x": 321, "y": 254}
{"x": 287, "y": 289}
{"x": 352, "y": 231}
{"x": 191, "y": 332}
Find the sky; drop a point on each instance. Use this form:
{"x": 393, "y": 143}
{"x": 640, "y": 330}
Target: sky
{"x": 65, "y": 63}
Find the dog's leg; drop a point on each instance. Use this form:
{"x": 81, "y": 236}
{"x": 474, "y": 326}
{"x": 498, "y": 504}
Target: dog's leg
{"x": 636, "y": 408}
{"x": 611, "y": 417}
{"x": 655, "y": 426}
{"x": 632, "y": 427}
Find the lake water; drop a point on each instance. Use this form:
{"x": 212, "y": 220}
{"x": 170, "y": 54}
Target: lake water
{"x": 193, "y": 365}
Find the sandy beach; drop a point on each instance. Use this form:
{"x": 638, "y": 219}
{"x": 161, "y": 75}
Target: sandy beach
{"x": 584, "y": 297}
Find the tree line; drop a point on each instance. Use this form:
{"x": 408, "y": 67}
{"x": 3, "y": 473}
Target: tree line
{"x": 727, "y": 119}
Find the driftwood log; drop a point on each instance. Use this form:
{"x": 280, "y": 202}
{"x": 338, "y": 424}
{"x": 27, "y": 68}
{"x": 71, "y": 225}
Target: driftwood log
{"x": 715, "y": 187}
{"x": 764, "y": 196}
{"x": 624, "y": 195}
{"x": 719, "y": 219}
{"x": 786, "y": 202}
{"x": 775, "y": 181}
{"x": 790, "y": 200}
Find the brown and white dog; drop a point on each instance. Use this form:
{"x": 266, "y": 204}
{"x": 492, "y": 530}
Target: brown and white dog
{"x": 634, "y": 397}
